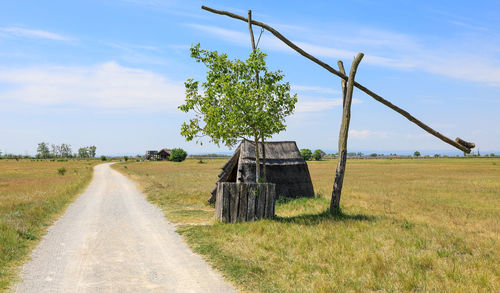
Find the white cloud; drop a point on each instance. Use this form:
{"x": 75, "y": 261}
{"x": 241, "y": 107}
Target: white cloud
{"x": 310, "y": 104}
{"x": 31, "y": 33}
{"x": 455, "y": 58}
{"x": 104, "y": 86}
{"x": 316, "y": 89}
{"x": 365, "y": 133}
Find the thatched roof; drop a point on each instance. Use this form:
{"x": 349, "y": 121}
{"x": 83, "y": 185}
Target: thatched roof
{"x": 165, "y": 151}
{"x": 277, "y": 152}
{"x": 285, "y": 167}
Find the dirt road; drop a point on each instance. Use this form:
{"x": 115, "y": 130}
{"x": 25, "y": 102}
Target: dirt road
{"x": 112, "y": 240}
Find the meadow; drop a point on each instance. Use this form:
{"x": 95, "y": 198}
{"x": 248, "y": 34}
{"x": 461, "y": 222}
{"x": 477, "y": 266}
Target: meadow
{"x": 33, "y": 193}
{"x": 406, "y": 225}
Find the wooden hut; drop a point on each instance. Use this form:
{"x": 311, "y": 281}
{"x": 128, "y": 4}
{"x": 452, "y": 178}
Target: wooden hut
{"x": 285, "y": 167}
{"x": 164, "y": 154}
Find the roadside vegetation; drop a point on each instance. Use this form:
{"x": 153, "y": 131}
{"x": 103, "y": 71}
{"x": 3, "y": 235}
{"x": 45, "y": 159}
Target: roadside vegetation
{"x": 406, "y": 225}
{"x": 33, "y": 193}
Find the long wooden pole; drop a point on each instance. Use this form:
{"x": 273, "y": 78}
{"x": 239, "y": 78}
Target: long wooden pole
{"x": 344, "y": 77}
{"x": 344, "y": 131}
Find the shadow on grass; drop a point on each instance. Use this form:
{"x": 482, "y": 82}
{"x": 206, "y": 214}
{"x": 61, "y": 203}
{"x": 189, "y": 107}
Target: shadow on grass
{"x": 326, "y": 216}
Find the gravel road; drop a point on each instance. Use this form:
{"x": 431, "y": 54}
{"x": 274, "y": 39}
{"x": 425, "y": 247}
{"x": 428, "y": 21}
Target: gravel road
{"x": 112, "y": 240}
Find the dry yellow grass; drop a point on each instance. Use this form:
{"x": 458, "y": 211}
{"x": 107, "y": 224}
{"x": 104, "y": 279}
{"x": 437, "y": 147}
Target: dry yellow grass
{"x": 407, "y": 225}
{"x": 32, "y": 195}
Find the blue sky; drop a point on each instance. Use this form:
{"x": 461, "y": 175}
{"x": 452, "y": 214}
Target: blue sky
{"x": 111, "y": 73}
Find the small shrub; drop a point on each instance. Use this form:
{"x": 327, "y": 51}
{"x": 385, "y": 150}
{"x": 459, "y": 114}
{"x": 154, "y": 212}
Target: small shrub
{"x": 125, "y": 158}
{"x": 61, "y": 171}
{"x": 103, "y": 158}
{"x": 178, "y": 155}
{"x": 306, "y": 154}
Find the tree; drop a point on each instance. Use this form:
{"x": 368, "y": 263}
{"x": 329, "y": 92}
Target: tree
{"x": 416, "y": 154}
{"x": 56, "y": 151}
{"x": 83, "y": 152}
{"x": 239, "y": 99}
{"x": 306, "y": 154}
{"x": 65, "y": 150}
{"x": 318, "y": 154}
{"x": 92, "y": 150}
{"x": 42, "y": 150}
{"x": 178, "y": 155}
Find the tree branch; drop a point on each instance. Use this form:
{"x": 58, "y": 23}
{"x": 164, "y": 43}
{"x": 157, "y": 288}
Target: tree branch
{"x": 344, "y": 77}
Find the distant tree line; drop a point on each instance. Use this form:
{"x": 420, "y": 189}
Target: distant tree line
{"x": 63, "y": 151}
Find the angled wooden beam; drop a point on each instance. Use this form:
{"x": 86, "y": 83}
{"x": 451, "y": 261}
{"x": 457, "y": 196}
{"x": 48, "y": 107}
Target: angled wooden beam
{"x": 407, "y": 115}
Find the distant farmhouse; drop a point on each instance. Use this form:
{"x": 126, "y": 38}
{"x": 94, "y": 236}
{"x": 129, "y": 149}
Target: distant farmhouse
{"x": 161, "y": 155}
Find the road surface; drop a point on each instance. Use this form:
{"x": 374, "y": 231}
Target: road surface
{"x": 112, "y": 240}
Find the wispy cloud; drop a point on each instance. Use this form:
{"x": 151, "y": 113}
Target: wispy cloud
{"x": 310, "y": 104}
{"x": 103, "y": 86}
{"x": 365, "y": 133}
{"x": 270, "y": 42}
{"x": 315, "y": 89}
{"x": 130, "y": 47}
{"x": 33, "y": 33}
{"x": 452, "y": 58}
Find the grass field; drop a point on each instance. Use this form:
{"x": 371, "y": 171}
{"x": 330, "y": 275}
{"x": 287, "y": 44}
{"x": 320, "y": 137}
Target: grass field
{"x": 407, "y": 225}
{"x": 32, "y": 195}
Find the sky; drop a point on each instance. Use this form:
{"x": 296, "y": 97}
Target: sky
{"x": 111, "y": 73}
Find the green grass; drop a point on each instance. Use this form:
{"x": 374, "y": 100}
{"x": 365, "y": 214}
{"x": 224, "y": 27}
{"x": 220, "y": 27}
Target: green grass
{"x": 406, "y": 225}
{"x": 32, "y": 195}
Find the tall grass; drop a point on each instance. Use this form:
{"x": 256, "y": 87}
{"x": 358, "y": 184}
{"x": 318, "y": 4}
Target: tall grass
{"x": 32, "y": 195}
{"x": 406, "y": 225}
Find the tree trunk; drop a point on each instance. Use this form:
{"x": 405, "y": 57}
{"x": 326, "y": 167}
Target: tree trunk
{"x": 264, "y": 175}
{"x": 257, "y": 159}
{"x": 344, "y": 130}
{"x": 254, "y": 49}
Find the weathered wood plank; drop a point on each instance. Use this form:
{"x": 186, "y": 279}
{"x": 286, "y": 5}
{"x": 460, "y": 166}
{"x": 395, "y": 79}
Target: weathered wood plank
{"x": 226, "y": 208}
{"x": 270, "y": 196}
{"x": 218, "y": 203}
{"x": 261, "y": 202}
{"x": 243, "y": 194}
{"x": 251, "y": 192}
{"x": 234, "y": 203}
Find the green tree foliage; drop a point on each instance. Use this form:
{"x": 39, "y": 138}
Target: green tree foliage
{"x": 65, "y": 150}
{"x": 416, "y": 154}
{"x": 318, "y": 154}
{"x": 42, "y": 151}
{"x": 306, "y": 154}
{"x": 178, "y": 155}
{"x": 92, "y": 150}
{"x": 238, "y": 99}
{"x": 103, "y": 158}
{"x": 83, "y": 152}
